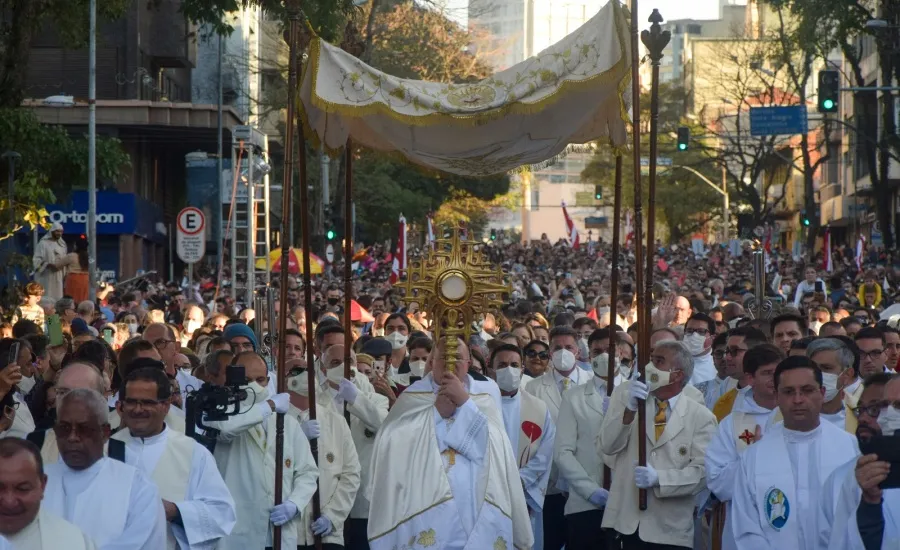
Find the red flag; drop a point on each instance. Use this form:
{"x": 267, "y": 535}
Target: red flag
{"x": 400, "y": 257}
{"x": 571, "y": 230}
{"x": 629, "y": 228}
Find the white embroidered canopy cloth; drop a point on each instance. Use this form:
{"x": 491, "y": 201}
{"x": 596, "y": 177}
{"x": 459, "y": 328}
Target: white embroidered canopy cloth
{"x": 574, "y": 92}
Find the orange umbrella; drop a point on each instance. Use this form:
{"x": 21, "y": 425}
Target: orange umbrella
{"x": 295, "y": 262}
{"x": 359, "y": 313}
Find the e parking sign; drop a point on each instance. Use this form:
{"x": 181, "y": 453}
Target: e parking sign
{"x": 191, "y": 235}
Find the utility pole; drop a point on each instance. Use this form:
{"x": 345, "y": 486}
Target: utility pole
{"x": 92, "y": 155}
{"x": 220, "y": 243}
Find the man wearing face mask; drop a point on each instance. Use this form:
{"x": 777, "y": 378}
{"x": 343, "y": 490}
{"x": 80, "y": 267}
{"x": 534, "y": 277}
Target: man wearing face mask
{"x": 549, "y": 388}
{"x": 679, "y": 430}
{"x": 575, "y": 454}
{"x": 853, "y": 508}
{"x": 528, "y": 426}
{"x": 396, "y": 332}
{"x": 699, "y": 332}
{"x": 836, "y": 360}
{"x": 339, "y": 467}
{"x": 245, "y": 452}
{"x": 367, "y": 412}
{"x": 713, "y": 389}
{"x": 333, "y": 296}
{"x": 193, "y": 320}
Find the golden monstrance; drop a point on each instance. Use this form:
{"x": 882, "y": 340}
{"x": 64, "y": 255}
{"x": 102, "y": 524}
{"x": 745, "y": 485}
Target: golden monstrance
{"x": 454, "y": 282}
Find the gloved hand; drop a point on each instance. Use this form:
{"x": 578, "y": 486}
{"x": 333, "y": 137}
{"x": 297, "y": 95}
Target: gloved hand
{"x": 645, "y": 477}
{"x": 322, "y": 527}
{"x": 598, "y": 498}
{"x": 311, "y": 429}
{"x": 282, "y": 403}
{"x": 605, "y": 403}
{"x": 283, "y": 513}
{"x": 347, "y": 391}
{"x": 637, "y": 391}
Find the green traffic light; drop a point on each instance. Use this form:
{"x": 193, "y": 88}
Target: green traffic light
{"x": 806, "y": 221}
{"x": 330, "y": 234}
{"x": 828, "y": 104}
{"x": 682, "y": 146}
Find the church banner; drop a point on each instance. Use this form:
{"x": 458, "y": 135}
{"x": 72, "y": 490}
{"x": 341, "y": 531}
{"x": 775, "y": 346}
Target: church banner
{"x": 574, "y": 92}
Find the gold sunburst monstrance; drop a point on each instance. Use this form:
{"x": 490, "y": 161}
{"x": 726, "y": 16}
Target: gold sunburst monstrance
{"x": 454, "y": 282}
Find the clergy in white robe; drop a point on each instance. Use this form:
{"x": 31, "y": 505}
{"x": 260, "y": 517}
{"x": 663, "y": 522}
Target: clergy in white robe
{"x": 777, "y": 490}
{"x": 529, "y": 428}
{"x": 443, "y": 471}
{"x": 754, "y": 413}
{"x": 113, "y": 503}
{"x": 836, "y": 361}
{"x": 23, "y": 521}
{"x": 199, "y": 508}
{"x": 699, "y": 332}
{"x": 245, "y": 453}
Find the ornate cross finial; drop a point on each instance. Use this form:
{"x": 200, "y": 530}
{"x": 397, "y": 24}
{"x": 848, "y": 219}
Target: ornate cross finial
{"x": 655, "y": 39}
{"x": 454, "y": 282}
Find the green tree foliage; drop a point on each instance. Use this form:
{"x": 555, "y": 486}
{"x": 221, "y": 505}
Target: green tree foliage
{"x": 684, "y": 203}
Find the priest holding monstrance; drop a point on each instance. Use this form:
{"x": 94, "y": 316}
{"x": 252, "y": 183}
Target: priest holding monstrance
{"x": 443, "y": 471}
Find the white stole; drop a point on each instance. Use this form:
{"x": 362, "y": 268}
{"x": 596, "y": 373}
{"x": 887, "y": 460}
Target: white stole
{"x": 745, "y": 427}
{"x": 532, "y": 415}
{"x": 101, "y": 511}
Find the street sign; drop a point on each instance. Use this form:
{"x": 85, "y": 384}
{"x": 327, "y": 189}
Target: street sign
{"x": 190, "y": 241}
{"x": 660, "y": 161}
{"x": 780, "y": 120}
{"x": 329, "y": 253}
{"x": 596, "y": 222}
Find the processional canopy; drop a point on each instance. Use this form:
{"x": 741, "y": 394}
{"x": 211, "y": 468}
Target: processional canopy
{"x": 454, "y": 282}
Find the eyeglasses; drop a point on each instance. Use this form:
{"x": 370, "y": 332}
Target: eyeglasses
{"x": 133, "y": 403}
{"x": 872, "y": 410}
{"x": 542, "y": 355}
{"x": 719, "y": 354}
{"x": 245, "y": 346}
{"x": 873, "y": 354}
{"x": 64, "y": 430}
{"x": 734, "y": 352}
{"x": 700, "y": 331}
{"x": 161, "y": 343}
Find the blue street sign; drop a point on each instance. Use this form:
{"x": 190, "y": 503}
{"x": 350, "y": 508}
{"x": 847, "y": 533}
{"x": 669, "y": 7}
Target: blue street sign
{"x": 775, "y": 121}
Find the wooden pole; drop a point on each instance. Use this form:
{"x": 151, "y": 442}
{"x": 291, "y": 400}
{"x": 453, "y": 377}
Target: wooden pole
{"x": 295, "y": 68}
{"x": 613, "y": 294}
{"x": 348, "y": 258}
{"x": 643, "y": 323}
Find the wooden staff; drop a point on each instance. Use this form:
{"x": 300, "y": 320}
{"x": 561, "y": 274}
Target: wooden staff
{"x": 643, "y": 323}
{"x": 613, "y": 295}
{"x": 348, "y": 258}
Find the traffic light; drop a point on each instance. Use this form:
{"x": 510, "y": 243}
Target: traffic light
{"x": 493, "y": 234}
{"x": 804, "y": 219}
{"x": 684, "y": 138}
{"x": 598, "y": 192}
{"x": 330, "y": 234}
{"x": 829, "y": 82}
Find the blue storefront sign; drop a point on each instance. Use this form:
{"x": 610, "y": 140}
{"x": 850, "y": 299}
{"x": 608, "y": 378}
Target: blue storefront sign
{"x": 780, "y": 120}
{"x": 117, "y": 214}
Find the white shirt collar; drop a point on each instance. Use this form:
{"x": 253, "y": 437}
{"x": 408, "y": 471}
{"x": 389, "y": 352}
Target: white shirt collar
{"x": 153, "y": 439}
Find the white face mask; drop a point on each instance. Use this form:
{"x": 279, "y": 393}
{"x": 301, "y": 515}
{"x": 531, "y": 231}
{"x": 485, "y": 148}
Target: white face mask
{"x": 830, "y": 382}
{"x": 190, "y": 326}
{"x": 299, "y": 384}
{"x": 656, "y": 378}
{"x": 625, "y": 369}
{"x": 256, "y": 393}
{"x": 396, "y": 339}
{"x": 335, "y": 374}
{"x": 378, "y": 366}
{"x": 600, "y": 365}
{"x": 786, "y": 289}
{"x": 889, "y": 420}
{"x": 563, "y": 360}
{"x": 695, "y": 343}
{"x": 583, "y": 350}
{"x": 132, "y": 328}
{"x": 417, "y": 368}
{"x": 509, "y": 378}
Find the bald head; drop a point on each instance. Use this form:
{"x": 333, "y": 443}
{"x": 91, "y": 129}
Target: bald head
{"x": 254, "y": 367}
{"x": 82, "y": 376}
{"x": 437, "y": 361}
{"x": 682, "y": 310}
{"x": 156, "y": 331}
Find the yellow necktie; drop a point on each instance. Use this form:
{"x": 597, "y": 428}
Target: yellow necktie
{"x": 659, "y": 421}
{"x": 565, "y": 384}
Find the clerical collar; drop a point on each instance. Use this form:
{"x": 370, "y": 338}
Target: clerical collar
{"x": 509, "y": 398}
{"x": 153, "y": 438}
{"x": 88, "y": 473}
{"x": 793, "y": 436}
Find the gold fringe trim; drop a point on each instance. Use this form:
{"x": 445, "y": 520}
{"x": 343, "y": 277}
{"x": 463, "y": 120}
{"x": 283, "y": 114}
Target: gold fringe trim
{"x": 394, "y": 528}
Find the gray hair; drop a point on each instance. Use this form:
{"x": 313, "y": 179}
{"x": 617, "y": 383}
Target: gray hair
{"x": 63, "y": 304}
{"x": 94, "y": 400}
{"x": 211, "y": 362}
{"x": 683, "y": 360}
{"x": 99, "y": 382}
{"x": 845, "y": 354}
{"x": 85, "y": 308}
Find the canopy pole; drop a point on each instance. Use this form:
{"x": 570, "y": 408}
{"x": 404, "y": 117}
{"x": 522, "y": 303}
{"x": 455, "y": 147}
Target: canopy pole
{"x": 613, "y": 295}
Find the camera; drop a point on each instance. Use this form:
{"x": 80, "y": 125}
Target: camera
{"x": 213, "y": 403}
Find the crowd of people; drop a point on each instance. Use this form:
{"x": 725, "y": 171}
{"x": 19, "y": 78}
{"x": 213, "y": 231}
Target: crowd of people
{"x": 770, "y": 432}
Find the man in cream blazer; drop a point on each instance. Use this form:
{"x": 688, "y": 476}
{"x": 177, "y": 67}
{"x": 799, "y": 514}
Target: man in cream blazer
{"x": 575, "y": 454}
{"x": 674, "y": 473}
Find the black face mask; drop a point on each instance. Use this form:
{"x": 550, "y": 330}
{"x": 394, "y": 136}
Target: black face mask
{"x": 333, "y": 301}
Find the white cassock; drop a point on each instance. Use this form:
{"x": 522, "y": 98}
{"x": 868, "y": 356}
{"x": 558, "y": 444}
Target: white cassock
{"x": 777, "y": 491}
{"x": 715, "y": 388}
{"x": 448, "y": 483}
{"x": 531, "y": 433}
{"x": 113, "y": 503}
{"x": 338, "y": 475}
{"x": 841, "y": 496}
{"x": 704, "y": 369}
{"x": 50, "y": 532}
{"x": 186, "y": 474}
{"x": 723, "y": 456}
{"x": 188, "y": 383}
{"x": 838, "y": 419}
{"x": 245, "y": 453}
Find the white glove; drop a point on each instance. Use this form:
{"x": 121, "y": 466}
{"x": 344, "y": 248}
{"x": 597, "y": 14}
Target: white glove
{"x": 598, "y": 498}
{"x": 283, "y": 513}
{"x": 282, "y": 403}
{"x": 322, "y": 527}
{"x": 311, "y": 429}
{"x": 347, "y": 391}
{"x": 637, "y": 391}
{"x": 645, "y": 477}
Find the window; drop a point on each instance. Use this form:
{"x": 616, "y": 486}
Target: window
{"x": 535, "y": 199}
{"x": 694, "y": 29}
{"x": 557, "y": 178}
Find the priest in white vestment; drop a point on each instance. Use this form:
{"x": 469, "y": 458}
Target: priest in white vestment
{"x": 714, "y": 389}
{"x": 199, "y": 508}
{"x": 443, "y": 471}
{"x": 245, "y": 453}
{"x": 836, "y": 360}
{"x": 338, "y": 463}
{"x": 699, "y": 332}
{"x": 752, "y": 416}
{"x": 778, "y": 488}
{"x": 528, "y": 426}
{"x": 113, "y": 503}
{"x": 24, "y": 523}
